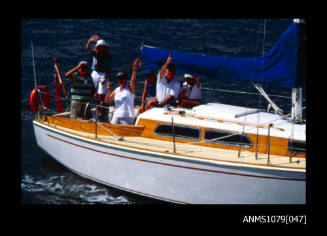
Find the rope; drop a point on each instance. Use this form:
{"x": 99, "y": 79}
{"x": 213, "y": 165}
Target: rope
{"x": 33, "y": 65}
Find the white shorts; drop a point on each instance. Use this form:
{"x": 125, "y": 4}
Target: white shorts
{"x": 98, "y": 77}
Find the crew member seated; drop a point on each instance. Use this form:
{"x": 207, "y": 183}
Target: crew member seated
{"x": 190, "y": 93}
{"x": 149, "y": 90}
{"x": 167, "y": 86}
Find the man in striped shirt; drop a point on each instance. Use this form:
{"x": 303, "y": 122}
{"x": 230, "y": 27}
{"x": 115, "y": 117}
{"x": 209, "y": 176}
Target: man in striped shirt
{"x": 82, "y": 90}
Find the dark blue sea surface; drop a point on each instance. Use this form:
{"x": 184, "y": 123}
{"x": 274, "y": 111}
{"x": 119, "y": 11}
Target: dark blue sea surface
{"x": 43, "y": 180}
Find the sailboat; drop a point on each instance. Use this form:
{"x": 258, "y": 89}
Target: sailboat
{"x": 211, "y": 153}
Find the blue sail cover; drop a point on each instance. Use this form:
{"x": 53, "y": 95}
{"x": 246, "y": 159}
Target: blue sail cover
{"x": 283, "y": 65}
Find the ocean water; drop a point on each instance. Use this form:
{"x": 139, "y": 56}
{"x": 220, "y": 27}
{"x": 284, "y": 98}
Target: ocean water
{"x": 45, "y": 181}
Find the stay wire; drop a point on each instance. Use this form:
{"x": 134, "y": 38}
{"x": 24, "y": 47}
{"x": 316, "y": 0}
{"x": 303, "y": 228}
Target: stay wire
{"x": 248, "y": 97}
{"x": 260, "y": 98}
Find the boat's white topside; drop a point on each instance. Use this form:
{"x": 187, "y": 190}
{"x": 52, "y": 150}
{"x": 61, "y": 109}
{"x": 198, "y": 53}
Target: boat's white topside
{"x": 186, "y": 150}
{"x": 196, "y": 116}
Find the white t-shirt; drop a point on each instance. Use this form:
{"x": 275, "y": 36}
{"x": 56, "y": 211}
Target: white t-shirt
{"x": 124, "y": 103}
{"x": 192, "y": 92}
{"x": 164, "y": 89}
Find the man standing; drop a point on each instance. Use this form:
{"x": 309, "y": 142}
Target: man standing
{"x": 101, "y": 69}
{"x": 82, "y": 89}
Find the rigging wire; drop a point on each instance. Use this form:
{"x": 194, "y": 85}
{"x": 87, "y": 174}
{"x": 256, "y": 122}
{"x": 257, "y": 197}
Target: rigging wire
{"x": 33, "y": 65}
{"x": 248, "y": 97}
{"x": 260, "y": 98}
{"x": 35, "y": 84}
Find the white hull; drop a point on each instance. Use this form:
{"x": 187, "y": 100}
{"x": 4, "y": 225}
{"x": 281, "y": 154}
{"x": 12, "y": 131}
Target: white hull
{"x": 172, "y": 178}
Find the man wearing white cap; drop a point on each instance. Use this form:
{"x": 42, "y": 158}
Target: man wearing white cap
{"x": 190, "y": 93}
{"x": 82, "y": 89}
{"x": 101, "y": 66}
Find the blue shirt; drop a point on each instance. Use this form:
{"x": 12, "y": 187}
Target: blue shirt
{"x": 151, "y": 92}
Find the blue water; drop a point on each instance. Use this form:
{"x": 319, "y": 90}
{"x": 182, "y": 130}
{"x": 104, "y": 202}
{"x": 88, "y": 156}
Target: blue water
{"x": 43, "y": 180}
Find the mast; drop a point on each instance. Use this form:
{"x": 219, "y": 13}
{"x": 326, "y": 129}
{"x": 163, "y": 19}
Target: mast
{"x": 297, "y": 92}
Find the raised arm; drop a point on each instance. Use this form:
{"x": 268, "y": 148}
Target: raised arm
{"x": 164, "y": 66}
{"x": 197, "y": 81}
{"x": 92, "y": 39}
{"x": 72, "y": 71}
{"x": 145, "y": 90}
{"x": 136, "y": 65}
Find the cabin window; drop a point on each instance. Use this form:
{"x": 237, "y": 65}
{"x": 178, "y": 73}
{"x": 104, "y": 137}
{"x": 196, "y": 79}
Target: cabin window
{"x": 184, "y": 132}
{"x": 295, "y": 146}
{"x": 227, "y": 138}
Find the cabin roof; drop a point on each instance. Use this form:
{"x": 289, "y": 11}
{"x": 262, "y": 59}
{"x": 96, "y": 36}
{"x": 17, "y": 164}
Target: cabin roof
{"x": 222, "y": 116}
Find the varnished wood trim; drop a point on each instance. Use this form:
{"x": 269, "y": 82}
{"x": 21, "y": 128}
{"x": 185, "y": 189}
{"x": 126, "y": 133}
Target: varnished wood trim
{"x": 89, "y": 127}
{"x": 278, "y": 146}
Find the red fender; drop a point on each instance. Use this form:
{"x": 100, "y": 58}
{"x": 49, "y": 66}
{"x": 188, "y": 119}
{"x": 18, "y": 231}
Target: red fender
{"x": 34, "y": 100}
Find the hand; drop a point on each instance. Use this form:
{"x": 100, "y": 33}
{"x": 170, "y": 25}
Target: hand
{"x": 169, "y": 59}
{"x": 103, "y": 81}
{"x": 81, "y": 64}
{"x": 109, "y": 86}
{"x": 137, "y": 63}
{"x": 94, "y": 38}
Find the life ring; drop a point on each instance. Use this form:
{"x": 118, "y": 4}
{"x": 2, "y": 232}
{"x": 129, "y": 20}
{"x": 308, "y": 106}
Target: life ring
{"x": 34, "y": 98}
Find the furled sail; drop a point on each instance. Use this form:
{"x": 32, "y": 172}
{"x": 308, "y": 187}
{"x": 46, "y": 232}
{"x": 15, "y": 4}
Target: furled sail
{"x": 283, "y": 65}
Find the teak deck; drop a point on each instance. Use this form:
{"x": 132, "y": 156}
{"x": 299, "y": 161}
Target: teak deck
{"x": 182, "y": 149}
